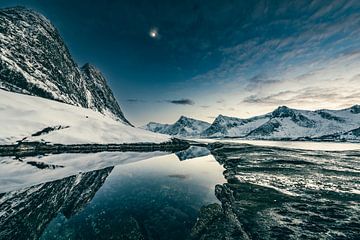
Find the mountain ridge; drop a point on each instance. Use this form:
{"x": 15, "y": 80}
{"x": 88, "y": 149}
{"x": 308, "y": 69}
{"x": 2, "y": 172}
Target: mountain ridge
{"x": 35, "y": 60}
{"x": 286, "y": 123}
{"x": 184, "y": 126}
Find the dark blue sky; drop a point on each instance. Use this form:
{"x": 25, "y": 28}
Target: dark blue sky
{"x": 237, "y": 58}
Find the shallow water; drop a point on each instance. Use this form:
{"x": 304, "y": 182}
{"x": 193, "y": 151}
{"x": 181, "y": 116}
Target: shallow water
{"x": 323, "y": 146}
{"x": 261, "y": 192}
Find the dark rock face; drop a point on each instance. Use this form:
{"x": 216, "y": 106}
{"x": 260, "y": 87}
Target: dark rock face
{"x": 35, "y": 60}
{"x": 329, "y": 116}
{"x": 298, "y": 118}
{"x": 265, "y": 129}
{"x": 102, "y": 98}
{"x": 26, "y": 213}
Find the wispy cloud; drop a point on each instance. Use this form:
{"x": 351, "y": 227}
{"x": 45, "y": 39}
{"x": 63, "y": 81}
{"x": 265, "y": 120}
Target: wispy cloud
{"x": 183, "y": 101}
{"x": 134, "y": 100}
{"x": 307, "y": 96}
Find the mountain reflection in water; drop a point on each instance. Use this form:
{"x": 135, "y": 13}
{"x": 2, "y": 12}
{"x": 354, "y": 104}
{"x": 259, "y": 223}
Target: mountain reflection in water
{"x": 238, "y": 192}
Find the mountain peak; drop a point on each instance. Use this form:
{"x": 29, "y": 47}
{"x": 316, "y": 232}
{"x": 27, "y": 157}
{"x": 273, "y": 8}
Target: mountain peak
{"x": 36, "y": 61}
{"x": 283, "y": 111}
{"x": 184, "y": 126}
{"x": 90, "y": 67}
{"x": 182, "y": 117}
{"x": 102, "y": 98}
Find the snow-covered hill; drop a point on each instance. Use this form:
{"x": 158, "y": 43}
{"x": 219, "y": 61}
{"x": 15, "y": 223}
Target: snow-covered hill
{"x": 184, "y": 127}
{"x": 30, "y": 118}
{"x": 35, "y": 60}
{"x": 290, "y": 123}
{"x": 232, "y": 126}
{"x": 283, "y": 123}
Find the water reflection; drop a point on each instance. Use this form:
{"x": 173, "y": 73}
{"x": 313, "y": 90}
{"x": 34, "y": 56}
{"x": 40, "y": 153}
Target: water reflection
{"x": 154, "y": 199}
{"x": 236, "y": 192}
{"x": 24, "y": 214}
{"x": 192, "y": 152}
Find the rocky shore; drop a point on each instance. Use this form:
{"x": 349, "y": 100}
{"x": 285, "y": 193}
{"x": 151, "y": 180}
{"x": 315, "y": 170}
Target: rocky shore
{"x": 22, "y": 149}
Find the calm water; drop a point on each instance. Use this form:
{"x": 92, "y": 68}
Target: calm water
{"x": 236, "y": 191}
{"x": 325, "y": 146}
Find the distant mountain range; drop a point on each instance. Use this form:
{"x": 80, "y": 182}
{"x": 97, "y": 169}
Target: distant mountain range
{"x": 282, "y": 124}
{"x": 35, "y": 60}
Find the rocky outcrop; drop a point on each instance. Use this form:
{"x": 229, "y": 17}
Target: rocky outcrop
{"x": 35, "y": 60}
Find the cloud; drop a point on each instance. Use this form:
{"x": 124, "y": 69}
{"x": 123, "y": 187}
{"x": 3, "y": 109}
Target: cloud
{"x": 319, "y": 33}
{"x": 311, "y": 96}
{"x": 134, "y": 100}
{"x": 183, "y": 101}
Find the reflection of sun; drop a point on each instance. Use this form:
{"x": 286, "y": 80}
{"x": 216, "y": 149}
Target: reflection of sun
{"x": 153, "y": 33}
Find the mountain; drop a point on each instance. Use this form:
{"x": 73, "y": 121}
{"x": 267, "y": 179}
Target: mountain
{"x": 100, "y": 96}
{"x": 283, "y": 123}
{"x": 287, "y": 123}
{"x": 232, "y": 126}
{"x": 35, "y": 60}
{"x": 185, "y": 127}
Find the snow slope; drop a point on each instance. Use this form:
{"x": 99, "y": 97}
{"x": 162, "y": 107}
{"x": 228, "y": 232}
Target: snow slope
{"x": 22, "y": 116}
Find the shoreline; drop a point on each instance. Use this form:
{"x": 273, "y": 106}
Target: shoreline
{"x": 39, "y": 148}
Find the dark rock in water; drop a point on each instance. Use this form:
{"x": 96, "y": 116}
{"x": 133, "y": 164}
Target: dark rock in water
{"x": 26, "y": 213}
{"x": 36, "y": 61}
{"x": 212, "y": 224}
{"x": 275, "y": 193}
{"x": 129, "y": 229}
{"x": 218, "y": 222}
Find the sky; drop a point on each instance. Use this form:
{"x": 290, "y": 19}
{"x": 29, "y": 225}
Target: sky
{"x": 164, "y": 59}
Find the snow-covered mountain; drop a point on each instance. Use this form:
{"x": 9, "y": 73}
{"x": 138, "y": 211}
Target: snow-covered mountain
{"x": 283, "y": 123}
{"x": 32, "y": 118}
{"x": 35, "y": 60}
{"x": 287, "y": 123}
{"x": 232, "y": 126}
{"x": 184, "y": 127}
